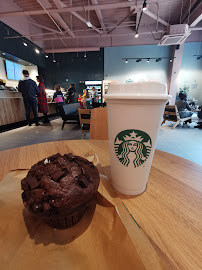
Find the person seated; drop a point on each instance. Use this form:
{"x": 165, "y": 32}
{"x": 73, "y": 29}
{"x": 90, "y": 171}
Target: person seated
{"x": 183, "y": 106}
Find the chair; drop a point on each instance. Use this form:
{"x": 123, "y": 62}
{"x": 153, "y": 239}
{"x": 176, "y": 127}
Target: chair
{"x": 99, "y": 124}
{"x": 171, "y": 114}
{"x": 85, "y": 120}
{"x": 69, "y": 112}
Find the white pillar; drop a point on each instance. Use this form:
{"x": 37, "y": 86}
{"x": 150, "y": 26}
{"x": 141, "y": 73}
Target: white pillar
{"x": 175, "y": 69}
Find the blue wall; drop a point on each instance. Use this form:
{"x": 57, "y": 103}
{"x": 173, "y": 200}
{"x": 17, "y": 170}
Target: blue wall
{"x": 116, "y": 69}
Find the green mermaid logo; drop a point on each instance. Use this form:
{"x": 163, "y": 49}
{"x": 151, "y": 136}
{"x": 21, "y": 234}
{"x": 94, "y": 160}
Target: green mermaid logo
{"x": 132, "y": 147}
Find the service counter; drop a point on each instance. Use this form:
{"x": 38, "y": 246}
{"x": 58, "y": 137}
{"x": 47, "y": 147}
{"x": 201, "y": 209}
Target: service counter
{"x": 12, "y": 108}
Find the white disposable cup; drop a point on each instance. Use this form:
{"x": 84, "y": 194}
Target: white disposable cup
{"x": 135, "y": 112}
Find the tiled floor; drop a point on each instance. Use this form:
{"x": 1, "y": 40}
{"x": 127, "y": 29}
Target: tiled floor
{"x": 182, "y": 141}
{"x": 45, "y": 133}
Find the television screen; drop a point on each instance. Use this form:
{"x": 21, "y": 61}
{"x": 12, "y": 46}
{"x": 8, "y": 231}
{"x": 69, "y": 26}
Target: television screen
{"x": 17, "y": 69}
{"x": 10, "y": 70}
{"x": 13, "y": 71}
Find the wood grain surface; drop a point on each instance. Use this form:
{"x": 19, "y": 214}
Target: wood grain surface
{"x": 169, "y": 211}
{"x": 12, "y": 110}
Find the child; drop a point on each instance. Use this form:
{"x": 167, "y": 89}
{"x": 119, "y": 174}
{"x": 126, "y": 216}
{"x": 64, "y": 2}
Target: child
{"x": 80, "y": 101}
{"x": 58, "y": 98}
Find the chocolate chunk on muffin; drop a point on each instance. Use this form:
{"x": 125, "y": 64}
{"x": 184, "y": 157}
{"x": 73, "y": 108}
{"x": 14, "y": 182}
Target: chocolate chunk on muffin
{"x": 59, "y": 189}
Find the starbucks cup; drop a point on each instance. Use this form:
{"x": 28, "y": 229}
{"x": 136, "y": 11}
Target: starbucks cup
{"x": 135, "y": 113}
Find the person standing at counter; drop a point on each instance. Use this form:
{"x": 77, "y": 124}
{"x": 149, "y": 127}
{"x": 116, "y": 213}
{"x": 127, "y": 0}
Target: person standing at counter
{"x": 58, "y": 97}
{"x": 42, "y": 100}
{"x": 88, "y": 99}
{"x": 70, "y": 93}
{"x": 95, "y": 97}
{"x": 29, "y": 90}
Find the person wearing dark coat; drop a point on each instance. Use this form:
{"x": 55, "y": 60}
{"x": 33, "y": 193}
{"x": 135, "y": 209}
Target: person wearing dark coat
{"x": 70, "y": 93}
{"x": 42, "y": 100}
{"x": 29, "y": 90}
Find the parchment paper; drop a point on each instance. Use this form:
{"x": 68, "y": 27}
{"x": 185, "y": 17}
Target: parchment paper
{"x": 98, "y": 241}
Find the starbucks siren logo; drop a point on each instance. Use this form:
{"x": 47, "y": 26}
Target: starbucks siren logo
{"x": 132, "y": 147}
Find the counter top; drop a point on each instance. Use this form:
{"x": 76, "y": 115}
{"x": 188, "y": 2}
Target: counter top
{"x": 10, "y": 94}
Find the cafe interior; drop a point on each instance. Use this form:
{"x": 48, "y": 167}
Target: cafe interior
{"x": 107, "y": 77}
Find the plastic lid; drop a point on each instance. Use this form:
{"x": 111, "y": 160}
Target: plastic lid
{"x": 140, "y": 90}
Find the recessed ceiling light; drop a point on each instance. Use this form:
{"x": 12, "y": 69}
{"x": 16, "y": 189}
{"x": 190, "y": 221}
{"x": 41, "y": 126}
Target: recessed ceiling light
{"x": 89, "y": 24}
{"x": 67, "y": 80}
{"x": 37, "y": 51}
{"x": 84, "y": 55}
{"x": 25, "y": 44}
{"x": 46, "y": 56}
{"x": 54, "y": 60}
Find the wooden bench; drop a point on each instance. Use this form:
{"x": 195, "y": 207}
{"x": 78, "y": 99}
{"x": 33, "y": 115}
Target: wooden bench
{"x": 171, "y": 114}
{"x": 84, "y": 119}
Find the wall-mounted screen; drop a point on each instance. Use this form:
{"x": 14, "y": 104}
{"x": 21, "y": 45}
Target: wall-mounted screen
{"x": 17, "y": 69}
{"x": 10, "y": 70}
{"x": 13, "y": 71}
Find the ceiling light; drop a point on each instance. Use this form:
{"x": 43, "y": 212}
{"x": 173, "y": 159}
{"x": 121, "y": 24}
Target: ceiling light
{"x": 25, "y": 44}
{"x": 84, "y": 55}
{"x": 67, "y": 80}
{"x": 144, "y": 7}
{"x": 126, "y": 61}
{"x": 136, "y": 35}
{"x": 158, "y": 59}
{"x": 3, "y": 53}
{"x": 89, "y": 24}
{"x": 171, "y": 60}
{"x": 54, "y": 60}
{"x": 148, "y": 60}
{"x": 18, "y": 60}
{"x": 30, "y": 64}
{"x": 46, "y": 56}
{"x": 37, "y": 51}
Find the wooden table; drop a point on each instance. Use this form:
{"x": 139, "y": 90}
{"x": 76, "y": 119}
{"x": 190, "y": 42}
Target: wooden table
{"x": 169, "y": 211}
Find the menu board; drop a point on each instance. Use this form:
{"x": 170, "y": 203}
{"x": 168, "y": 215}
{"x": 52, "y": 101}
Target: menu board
{"x": 13, "y": 71}
{"x": 10, "y": 70}
{"x": 17, "y": 69}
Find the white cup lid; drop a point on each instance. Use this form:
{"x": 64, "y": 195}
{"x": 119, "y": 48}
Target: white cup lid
{"x": 140, "y": 90}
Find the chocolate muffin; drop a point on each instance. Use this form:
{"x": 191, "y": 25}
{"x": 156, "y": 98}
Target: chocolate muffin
{"x": 59, "y": 188}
